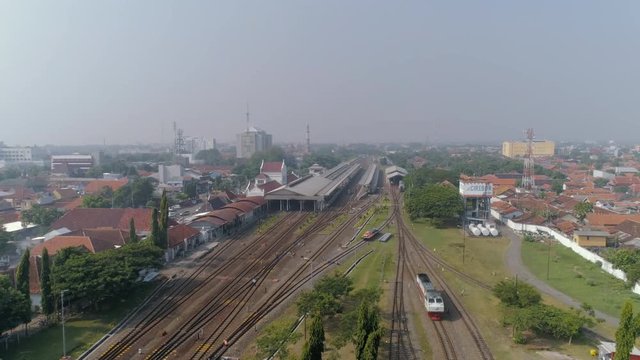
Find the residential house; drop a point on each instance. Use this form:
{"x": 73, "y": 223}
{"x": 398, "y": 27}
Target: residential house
{"x": 590, "y": 238}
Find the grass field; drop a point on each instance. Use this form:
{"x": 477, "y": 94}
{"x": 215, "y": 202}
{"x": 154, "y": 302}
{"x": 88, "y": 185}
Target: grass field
{"x": 577, "y": 277}
{"x": 484, "y": 260}
{"x": 81, "y": 332}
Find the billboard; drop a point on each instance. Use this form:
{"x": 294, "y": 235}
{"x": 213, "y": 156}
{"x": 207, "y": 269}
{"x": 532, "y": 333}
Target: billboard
{"x": 476, "y": 189}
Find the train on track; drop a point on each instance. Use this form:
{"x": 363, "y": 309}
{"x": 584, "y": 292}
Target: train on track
{"x": 432, "y": 298}
{"x": 370, "y": 234}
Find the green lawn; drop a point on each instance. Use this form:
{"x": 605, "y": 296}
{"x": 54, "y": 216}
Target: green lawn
{"x": 81, "y": 332}
{"x": 484, "y": 260}
{"x": 577, "y": 277}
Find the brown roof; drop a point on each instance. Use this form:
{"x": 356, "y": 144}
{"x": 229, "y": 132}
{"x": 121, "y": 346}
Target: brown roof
{"x": 272, "y": 166}
{"x": 104, "y": 239}
{"x": 178, "y": 233}
{"x": 269, "y": 186}
{"x": 630, "y": 227}
{"x": 597, "y": 219}
{"x": 60, "y": 242}
{"x": 242, "y": 206}
{"x": 96, "y": 186}
{"x": 83, "y": 218}
{"x": 65, "y": 194}
{"x": 257, "y": 200}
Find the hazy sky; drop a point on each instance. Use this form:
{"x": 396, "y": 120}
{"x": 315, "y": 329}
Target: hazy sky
{"x": 80, "y": 72}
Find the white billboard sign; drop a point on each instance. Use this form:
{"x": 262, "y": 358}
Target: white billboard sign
{"x": 476, "y": 189}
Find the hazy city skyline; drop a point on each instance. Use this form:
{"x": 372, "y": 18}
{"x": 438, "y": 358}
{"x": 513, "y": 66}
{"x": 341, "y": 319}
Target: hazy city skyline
{"x": 359, "y": 71}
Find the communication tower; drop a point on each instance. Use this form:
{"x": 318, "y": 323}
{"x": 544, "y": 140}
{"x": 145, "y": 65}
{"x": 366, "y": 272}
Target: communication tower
{"x": 178, "y": 142}
{"x": 528, "y": 182}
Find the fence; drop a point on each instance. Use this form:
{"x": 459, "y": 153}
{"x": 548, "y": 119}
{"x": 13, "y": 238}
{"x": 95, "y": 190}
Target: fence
{"x": 562, "y": 239}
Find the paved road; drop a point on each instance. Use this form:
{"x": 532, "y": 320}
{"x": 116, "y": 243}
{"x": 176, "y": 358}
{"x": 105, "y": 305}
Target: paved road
{"x": 515, "y": 266}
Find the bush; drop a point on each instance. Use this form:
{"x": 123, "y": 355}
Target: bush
{"x": 516, "y": 294}
{"x": 591, "y": 282}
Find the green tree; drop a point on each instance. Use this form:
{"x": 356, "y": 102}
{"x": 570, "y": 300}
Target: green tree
{"x": 372, "y": 345}
{"x": 45, "y": 283}
{"x": 557, "y": 186}
{"x": 519, "y": 294}
{"x": 133, "y": 236}
{"x": 95, "y": 201}
{"x": 22, "y": 283}
{"x": 191, "y": 188}
{"x": 13, "y": 305}
{"x": 626, "y": 333}
{"x": 155, "y": 230}
{"x": 582, "y": 209}
{"x": 164, "y": 221}
{"x": 600, "y": 182}
{"x": 316, "y": 339}
{"x": 440, "y": 203}
{"x": 276, "y": 336}
{"x": 40, "y": 215}
{"x": 368, "y": 323}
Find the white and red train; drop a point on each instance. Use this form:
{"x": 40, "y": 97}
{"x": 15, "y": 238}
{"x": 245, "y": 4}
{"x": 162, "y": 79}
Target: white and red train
{"x": 431, "y": 297}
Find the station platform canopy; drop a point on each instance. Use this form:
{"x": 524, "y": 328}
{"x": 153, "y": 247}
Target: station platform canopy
{"x": 320, "y": 190}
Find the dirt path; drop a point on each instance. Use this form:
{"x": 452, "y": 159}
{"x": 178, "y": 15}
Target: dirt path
{"x": 515, "y": 265}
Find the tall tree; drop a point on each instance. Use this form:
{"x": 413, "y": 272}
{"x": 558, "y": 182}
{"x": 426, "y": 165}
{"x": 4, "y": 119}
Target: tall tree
{"x": 371, "y": 348}
{"x": 164, "y": 221}
{"x": 360, "y": 339}
{"x": 316, "y": 340}
{"x": 133, "y": 236}
{"x": 155, "y": 229}
{"x": 45, "y": 283}
{"x": 22, "y": 283}
{"x": 626, "y": 333}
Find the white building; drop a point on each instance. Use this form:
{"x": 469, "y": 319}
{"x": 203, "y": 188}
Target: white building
{"x": 252, "y": 141}
{"x": 15, "y": 154}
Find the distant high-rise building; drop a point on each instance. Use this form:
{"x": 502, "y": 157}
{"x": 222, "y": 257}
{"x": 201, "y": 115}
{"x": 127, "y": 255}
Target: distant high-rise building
{"x": 251, "y": 141}
{"x": 541, "y": 148}
{"x": 15, "y": 154}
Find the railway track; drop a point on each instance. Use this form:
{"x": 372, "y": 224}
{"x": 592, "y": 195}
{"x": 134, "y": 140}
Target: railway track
{"x": 229, "y": 302}
{"x": 430, "y": 261}
{"x": 400, "y": 346}
{"x": 186, "y": 289}
{"x": 300, "y": 277}
{"x": 445, "y": 341}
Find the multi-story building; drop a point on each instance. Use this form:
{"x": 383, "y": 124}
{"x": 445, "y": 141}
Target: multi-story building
{"x": 72, "y": 165}
{"x": 541, "y": 148}
{"x": 15, "y": 154}
{"x": 252, "y": 141}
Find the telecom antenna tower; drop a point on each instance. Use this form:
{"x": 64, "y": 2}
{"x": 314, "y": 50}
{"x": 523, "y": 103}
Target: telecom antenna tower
{"x": 528, "y": 182}
{"x": 178, "y": 142}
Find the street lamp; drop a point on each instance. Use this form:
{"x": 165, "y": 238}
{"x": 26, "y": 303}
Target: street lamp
{"x": 64, "y": 339}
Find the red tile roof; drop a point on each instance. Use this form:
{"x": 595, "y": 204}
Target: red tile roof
{"x": 596, "y": 219}
{"x": 96, "y": 186}
{"x": 272, "y": 166}
{"x": 61, "y": 242}
{"x": 104, "y": 239}
{"x": 82, "y": 218}
{"x": 178, "y": 233}
{"x": 269, "y": 186}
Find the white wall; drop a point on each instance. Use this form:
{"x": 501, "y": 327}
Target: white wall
{"x": 561, "y": 238}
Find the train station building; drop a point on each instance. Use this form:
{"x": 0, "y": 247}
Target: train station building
{"x": 313, "y": 193}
